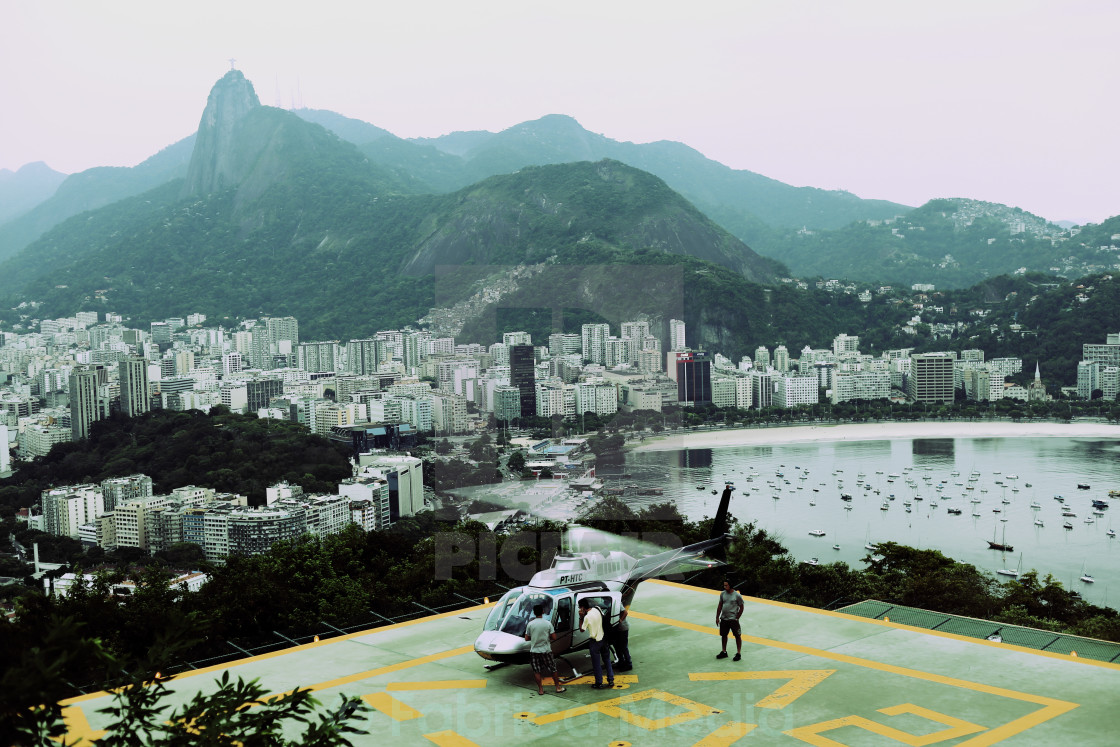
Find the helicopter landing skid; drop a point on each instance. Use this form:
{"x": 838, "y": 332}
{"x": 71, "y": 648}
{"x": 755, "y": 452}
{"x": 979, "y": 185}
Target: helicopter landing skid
{"x": 496, "y": 665}
{"x": 575, "y": 672}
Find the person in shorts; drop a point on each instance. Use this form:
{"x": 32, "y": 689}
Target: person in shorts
{"x": 540, "y": 635}
{"x": 728, "y": 612}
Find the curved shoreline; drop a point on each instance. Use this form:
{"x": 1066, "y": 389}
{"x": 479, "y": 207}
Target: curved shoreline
{"x": 874, "y": 432}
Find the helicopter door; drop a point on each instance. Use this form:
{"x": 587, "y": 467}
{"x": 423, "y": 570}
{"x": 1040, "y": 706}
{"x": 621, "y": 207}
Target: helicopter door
{"x": 563, "y": 623}
{"x": 610, "y": 602}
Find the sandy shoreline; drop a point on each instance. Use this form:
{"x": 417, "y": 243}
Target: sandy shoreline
{"x": 875, "y": 432}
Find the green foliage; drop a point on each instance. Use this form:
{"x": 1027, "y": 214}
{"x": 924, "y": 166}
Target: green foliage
{"x": 928, "y": 245}
{"x": 230, "y": 453}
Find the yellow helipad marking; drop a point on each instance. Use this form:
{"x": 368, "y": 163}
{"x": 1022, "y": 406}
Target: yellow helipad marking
{"x": 613, "y": 708}
{"x": 1052, "y": 707}
{"x": 957, "y": 728}
{"x": 78, "y": 728}
{"x": 726, "y": 735}
{"x": 801, "y": 681}
{"x": 392, "y": 707}
{"x": 449, "y": 739}
{"x": 898, "y": 626}
{"x": 435, "y": 685}
{"x": 371, "y": 673}
{"x": 622, "y": 679}
{"x": 325, "y": 642}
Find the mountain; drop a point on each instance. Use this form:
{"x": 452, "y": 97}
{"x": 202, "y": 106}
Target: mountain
{"x": 92, "y": 189}
{"x": 745, "y": 203}
{"x": 951, "y": 243}
{"x": 279, "y": 216}
{"x": 26, "y": 187}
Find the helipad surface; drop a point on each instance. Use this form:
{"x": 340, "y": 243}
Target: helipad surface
{"x": 807, "y": 677}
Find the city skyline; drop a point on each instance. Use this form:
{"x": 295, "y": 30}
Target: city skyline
{"x": 1004, "y": 102}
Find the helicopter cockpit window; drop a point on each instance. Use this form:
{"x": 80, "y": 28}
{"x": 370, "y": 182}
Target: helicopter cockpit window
{"x": 569, "y": 564}
{"x": 520, "y": 615}
{"x": 505, "y": 604}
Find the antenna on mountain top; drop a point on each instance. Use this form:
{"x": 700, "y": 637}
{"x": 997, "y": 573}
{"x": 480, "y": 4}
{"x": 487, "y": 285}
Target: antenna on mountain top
{"x": 232, "y": 63}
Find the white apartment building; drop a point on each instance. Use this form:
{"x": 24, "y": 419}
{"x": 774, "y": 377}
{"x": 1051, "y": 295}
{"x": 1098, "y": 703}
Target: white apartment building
{"x": 676, "y": 335}
{"x": 724, "y": 389}
{"x": 67, "y": 508}
{"x": 743, "y": 392}
{"x": 793, "y": 391}
{"x": 860, "y": 385}
{"x": 595, "y": 396}
{"x": 594, "y": 342}
{"x": 130, "y": 520}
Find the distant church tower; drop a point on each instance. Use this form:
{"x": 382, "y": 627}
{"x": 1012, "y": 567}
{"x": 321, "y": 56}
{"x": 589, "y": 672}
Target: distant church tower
{"x": 1037, "y": 390}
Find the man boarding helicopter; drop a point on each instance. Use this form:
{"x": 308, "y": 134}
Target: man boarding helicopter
{"x": 607, "y": 579}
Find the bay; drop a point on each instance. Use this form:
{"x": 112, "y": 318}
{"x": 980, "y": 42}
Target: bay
{"x": 806, "y": 497}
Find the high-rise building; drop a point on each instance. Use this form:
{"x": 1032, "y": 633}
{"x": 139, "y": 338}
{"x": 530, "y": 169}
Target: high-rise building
{"x": 259, "y": 392}
{"x": 361, "y": 356}
{"x": 136, "y": 390}
{"x": 762, "y": 389}
{"x": 676, "y": 335}
{"x": 67, "y": 508}
{"x": 282, "y": 328}
{"x": 507, "y": 403}
{"x": 562, "y": 344}
{"x": 792, "y": 391}
{"x": 318, "y": 357}
{"x": 634, "y": 330}
{"x": 843, "y": 343}
{"x": 594, "y": 340}
{"x": 86, "y": 402}
{"x": 761, "y": 358}
{"x": 117, "y": 490}
{"x": 694, "y": 378}
{"x": 516, "y": 338}
{"x": 781, "y": 358}
{"x": 161, "y": 333}
{"x": 931, "y": 377}
{"x": 523, "y": 375}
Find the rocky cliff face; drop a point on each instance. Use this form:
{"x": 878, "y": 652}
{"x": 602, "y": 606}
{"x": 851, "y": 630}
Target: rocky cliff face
{"x": 213, "y": 166}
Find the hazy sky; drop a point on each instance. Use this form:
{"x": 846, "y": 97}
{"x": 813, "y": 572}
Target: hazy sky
{"x": 1012, "y": 101}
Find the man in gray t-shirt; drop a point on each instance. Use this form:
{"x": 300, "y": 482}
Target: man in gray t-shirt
{"x": 540, "y": 634}
{"x": 728, "y": 612}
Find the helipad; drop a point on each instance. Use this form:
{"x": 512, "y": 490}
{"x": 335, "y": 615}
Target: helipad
{"x": 807, "y": 677}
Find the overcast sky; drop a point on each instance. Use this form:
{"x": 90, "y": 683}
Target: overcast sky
{"x": 1011, "y": 101}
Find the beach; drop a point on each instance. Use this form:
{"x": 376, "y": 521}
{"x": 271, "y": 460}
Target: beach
{"x": 708, "y": 439}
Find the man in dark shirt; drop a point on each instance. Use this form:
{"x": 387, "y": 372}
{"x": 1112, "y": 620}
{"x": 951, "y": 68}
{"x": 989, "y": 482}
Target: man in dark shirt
{"x": 728, "y": 612}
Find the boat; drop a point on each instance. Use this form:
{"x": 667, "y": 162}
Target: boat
{"x": 1013, "y": 573}
{"x": 1089, "y": 519}
{"x": 1111, "y": 532}
{"x": 1038, "y": 523}
{"x": 845, "y": 497}
{"x": 1082, "y": 486}
{"x": 811, "y": 561}
{"x": 1036, "y": 504}
{"x": 993, "y": 545}
{"x": 1068, "y": 513}
{"x": 885, "y": 507}
{"x": 1067, "y": 525}
{"x": 956, "y": 511}
{"x": 836, "y": 547}
{"x": 1087, "y": 577}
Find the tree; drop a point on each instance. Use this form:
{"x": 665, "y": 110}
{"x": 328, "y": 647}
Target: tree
{"x": 237, "y": 713}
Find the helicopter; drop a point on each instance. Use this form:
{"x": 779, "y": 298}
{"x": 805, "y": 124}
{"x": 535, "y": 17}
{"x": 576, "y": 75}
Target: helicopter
{"x": 607, "y": 578}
